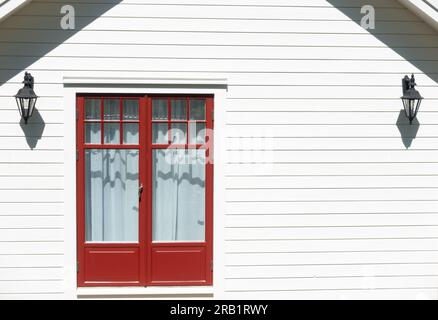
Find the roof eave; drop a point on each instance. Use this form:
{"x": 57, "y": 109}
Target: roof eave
{"x": 11, "y": 6}
{"x": 427, "y": 10}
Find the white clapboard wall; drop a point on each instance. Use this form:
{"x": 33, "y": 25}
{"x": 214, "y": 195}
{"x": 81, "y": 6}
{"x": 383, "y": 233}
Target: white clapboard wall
{"x": 323, "y": 199}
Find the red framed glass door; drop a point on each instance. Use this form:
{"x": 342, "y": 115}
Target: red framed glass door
{"x": 144, "y": 190}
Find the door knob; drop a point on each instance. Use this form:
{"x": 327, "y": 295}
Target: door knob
{"x": 140, "y": 190}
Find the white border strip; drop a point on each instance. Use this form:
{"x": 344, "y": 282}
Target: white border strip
{"x": 87, "y": 81}
{"x": 149, "y": 292}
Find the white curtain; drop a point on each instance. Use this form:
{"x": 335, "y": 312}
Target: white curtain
{"x": 178, "y": 208}
{"x": 111, "y": 195}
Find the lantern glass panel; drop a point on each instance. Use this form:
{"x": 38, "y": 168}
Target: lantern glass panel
{"x": 32, "y": 103}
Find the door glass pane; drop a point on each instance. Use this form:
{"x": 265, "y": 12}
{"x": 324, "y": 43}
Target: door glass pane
{"x": 111, "y": 195}
{"x": 159, "y": 133}
{"x": 178, "y": 195}
{"x": 197, "y": 133}
{"x": 92, "y": 133}
{"x": 130, "y": 133}
{"x": 92, "y": 109}
{"x": 111, "y": 109}
{"x": 179, "y": 109}
{"x": 130, "y": 109}
{"x": 197, "y": 109}
{"x": 159, "y": 109}
{"x": 111, "y": 133}
{"x": 178, "y": 133}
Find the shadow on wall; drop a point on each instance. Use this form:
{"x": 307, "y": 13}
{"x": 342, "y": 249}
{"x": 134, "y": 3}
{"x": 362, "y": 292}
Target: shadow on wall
{"x": 30, "y": 34}
{"x": 416, "y": 44}
{"x": 390, "y": 15}
{"x": 408, "y": 131}
{"x": 34, "y": 128}
{"x": 35, "y": 30}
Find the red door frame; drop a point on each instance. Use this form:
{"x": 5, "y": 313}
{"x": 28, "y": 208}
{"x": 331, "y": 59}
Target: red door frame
{"x": 148, "y": 252}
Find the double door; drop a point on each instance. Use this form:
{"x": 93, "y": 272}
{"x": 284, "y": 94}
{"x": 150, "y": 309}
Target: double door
{"x": 144, "y": 190}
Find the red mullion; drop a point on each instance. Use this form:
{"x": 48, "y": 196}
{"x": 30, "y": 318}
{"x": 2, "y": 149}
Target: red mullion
{"x": 178, "y": 146}
{"x": 101, "y": 121}
{"x": 169, "y": 116}
{"x": 120, "y": 119}
{"x": 188, "y": 119}
{"x": 111, "y": 146}
{"x": 144, "y": 175}
{"x": 147, "y": 173}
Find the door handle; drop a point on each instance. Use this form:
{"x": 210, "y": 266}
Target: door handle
{"x": 140, "y": 190}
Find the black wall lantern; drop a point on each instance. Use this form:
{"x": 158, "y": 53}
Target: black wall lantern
{"x": 26, "y": 98}
{"x": 411, "y": 98}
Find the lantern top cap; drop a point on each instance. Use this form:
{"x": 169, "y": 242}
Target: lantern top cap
{"x": 409, "y": 91}
{"x": 27, "y": 91}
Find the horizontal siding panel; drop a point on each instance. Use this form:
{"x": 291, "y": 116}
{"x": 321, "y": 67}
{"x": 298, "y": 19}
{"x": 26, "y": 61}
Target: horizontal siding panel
{"x": 377, "y": 92}
{"x": 43, "y": 286}
{"x": 29, "y": 209}
{"x": 33, "y": 296}
{"x": 24, "y": 248}
{"x": 13, "y": 129}
{"x": 324, "y": 208}
{"x": 317, "y": 13}
{"x": 396, "y": 143}
{"x": 190, "y": 24}
{"x": 356, "y": 294}
{"x": 380, "y": 232}
{"x": 267, "y": 156}
{"x": 31, "y": 235}
{"x": 390, "y": 130}
{"x": 333, "y": 271}
{"x": 36, "y": 170}
{"x": 350, "y": 118}
{"x": 332, "y": 258}
{"x": 23, "y": 222}
{"x": 23, "y": 274}
{"x": 29, "y": 156}
{"x": 244, "y": 3}
{"x": 373, "y": 106}
{"x": 331, "y": 169}
{"x": 49, "y": 260}
{"x": 32, "y": 196}
{"x": 320, "y": 182}
{"x": 47, "y": 116}
{"x": 338, "y": 283}
{"x": 205, "y": 38}
{"x": 31, "y": 182}
{"x": 42, "y": 143}
{"x": 330, "y": 220}
{"x": 360, "y": 79}
{"x": 216, "y": 65}
{"x": 147, "y": 50}
{"x": 388, "y": 194}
